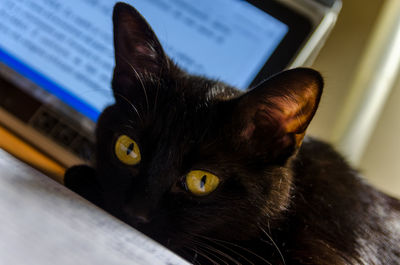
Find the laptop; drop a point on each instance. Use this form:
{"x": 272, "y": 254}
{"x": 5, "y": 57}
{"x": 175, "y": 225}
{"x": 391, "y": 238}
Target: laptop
{"x": 57, "y": 58}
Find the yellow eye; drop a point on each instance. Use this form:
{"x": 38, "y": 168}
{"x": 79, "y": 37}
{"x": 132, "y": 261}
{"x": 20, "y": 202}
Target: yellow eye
{"x": 201, "y": 183}
{"x": 127, "y": 150}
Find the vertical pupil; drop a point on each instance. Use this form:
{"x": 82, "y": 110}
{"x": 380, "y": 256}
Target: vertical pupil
{"x": 203, "y": 181}
{"x": 129, "y": 149}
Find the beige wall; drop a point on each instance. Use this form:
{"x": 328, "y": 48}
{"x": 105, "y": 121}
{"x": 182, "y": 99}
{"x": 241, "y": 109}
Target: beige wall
{"x": 338, "y": 61}
{"x": 381, "y": 161}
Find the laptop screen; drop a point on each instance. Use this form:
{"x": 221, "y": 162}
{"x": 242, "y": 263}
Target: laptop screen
{"x": 66, "y": 47}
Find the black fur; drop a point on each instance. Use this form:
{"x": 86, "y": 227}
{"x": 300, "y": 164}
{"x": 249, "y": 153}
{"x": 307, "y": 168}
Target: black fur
{"x": 277, "y": 203}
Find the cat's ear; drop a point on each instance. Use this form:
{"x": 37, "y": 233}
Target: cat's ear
{"x": 279, "y": 110}
{"x": 138, "y": 52}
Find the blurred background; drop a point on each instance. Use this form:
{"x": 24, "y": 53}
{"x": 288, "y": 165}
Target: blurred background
{"x": 346, "y": 53}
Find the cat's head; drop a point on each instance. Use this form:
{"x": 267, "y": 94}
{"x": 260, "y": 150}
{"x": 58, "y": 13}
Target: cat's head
{"x": 181, "y": 156}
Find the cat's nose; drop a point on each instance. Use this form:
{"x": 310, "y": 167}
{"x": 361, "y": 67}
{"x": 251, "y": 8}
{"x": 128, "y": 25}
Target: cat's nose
{"x": 136, "y": 216}
{"x": 141, "y": 219}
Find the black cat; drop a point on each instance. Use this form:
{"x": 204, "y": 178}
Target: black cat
{"x": 225, "y": 177}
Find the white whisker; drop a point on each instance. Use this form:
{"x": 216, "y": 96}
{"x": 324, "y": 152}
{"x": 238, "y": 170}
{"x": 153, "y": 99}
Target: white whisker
{"x": 138, "y": 76}
{"x": 210, "y": 248}
{"x": 142, "y": 84}
{"x": 237, "y": 246}
{"x": 273, "y": 242}
{"x": 131, "y": 104}
{"x": 201, "y": 253}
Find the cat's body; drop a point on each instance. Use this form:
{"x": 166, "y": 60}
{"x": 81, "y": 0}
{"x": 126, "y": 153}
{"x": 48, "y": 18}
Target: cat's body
{"x": 337, "y": 218}
{"x": 221, "y": 176}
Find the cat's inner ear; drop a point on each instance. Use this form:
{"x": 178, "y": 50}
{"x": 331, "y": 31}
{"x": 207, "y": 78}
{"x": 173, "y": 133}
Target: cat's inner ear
{"x": 280, "y": 108}
{"x": 137, "y": 50}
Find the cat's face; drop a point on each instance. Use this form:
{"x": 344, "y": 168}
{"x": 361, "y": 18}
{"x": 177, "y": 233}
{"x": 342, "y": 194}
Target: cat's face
{"x": 181, "y": 157}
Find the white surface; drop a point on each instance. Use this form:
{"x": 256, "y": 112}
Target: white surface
{"x": 42, "y": 222}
